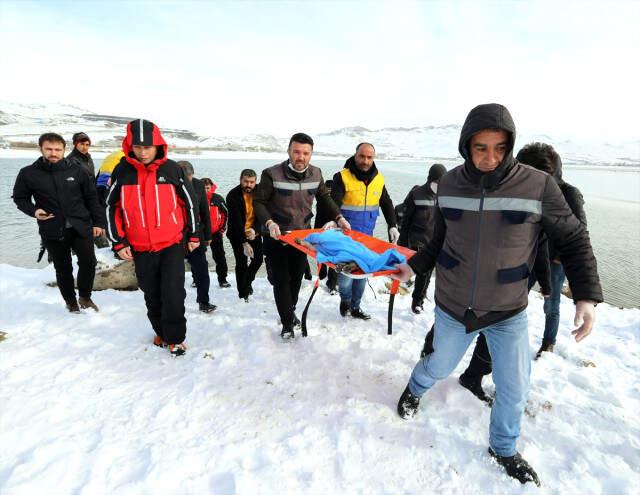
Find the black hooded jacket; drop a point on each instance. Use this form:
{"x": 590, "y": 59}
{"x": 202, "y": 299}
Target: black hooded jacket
{"x": 64, "y": 189}
{"x": 85, "y": 161}
{"x": 486, "y": 233}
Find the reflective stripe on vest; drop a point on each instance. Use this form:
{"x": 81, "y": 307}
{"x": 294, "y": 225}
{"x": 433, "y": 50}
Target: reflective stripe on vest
{"x": 424, "y": 202}
{"x": 491, "y": 204}
{"x": 301, "y": 186}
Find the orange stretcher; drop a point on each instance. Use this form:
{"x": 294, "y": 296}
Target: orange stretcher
{"x": 295, "y": 237}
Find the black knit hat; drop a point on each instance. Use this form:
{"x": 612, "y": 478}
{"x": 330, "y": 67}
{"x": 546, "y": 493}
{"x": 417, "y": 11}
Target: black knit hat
{"x": 436, "y": 171}
{"x": 80, "y": 137}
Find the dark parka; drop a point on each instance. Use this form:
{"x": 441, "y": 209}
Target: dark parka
{"x": 416, "y": 227}
{"x": 85, "y": 161}
{"x": 202, "y": 208}
{"x": 487, "y": 228}
{"x": 63, "y": 189}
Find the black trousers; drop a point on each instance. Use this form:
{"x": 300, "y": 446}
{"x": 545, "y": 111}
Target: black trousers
{"x": 161, "y": 278}
{"x": 60, "y": 254}
{"x": 246, "y": 274}
{"x": 421, "y": 286}
{"x": 200, "y": 271}
{"x": 331, "y": 276}
{"x": 287, "y": 266}
{"x": 217, "y": 252}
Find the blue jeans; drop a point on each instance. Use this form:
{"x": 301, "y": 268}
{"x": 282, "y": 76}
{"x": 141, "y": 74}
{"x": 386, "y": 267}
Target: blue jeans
{"x": 508, "y": 343}
{"x": 552, "y": 304}
{"x": 351, "y": 290}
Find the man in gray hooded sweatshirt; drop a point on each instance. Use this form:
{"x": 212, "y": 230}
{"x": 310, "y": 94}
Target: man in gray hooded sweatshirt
{"x": 491, "y": 211}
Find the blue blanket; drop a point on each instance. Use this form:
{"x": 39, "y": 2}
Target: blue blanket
{"x": 335, "y": 247}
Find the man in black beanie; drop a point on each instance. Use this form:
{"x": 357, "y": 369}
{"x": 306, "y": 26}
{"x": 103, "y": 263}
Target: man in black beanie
{"x": 416, "y": 228}
{"x": 81, "y": 155}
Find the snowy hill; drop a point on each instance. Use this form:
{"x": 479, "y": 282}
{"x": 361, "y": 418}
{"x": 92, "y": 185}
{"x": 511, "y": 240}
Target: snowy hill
{"x": 21, "y": 124}
{"x": 90, "y": 406}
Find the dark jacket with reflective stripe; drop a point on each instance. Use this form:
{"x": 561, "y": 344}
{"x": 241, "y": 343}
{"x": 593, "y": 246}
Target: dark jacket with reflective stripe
{"x": 416, "y": 228}
{"x": 486, "y": 231}
{"x": 286, "y": 197}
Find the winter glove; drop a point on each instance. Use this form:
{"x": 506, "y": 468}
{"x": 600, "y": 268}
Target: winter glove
{"x": 343, "y": 224}
{"x": 247, "y": 250}
{"x": 394, "y": 235}
{"x": 329, "y": 225}
{"x": 274, "y": 229}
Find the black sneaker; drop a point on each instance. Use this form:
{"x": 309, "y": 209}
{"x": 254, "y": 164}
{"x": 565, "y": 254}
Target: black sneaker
{"x": 72, "y": 306}
{"x": 417, "y": 306}
{"x": 474, "y": 385}
{"x": 287, "y": 332}
{"x": 224, "y": 284}
{"x": 344, "y": 308}
{"x": 359, "y": 314}
{"x": 516, "y": 467}
{"x": 545, "y": 347}
{"x": 207, "y": 308}
{"x": 408, "y": 404}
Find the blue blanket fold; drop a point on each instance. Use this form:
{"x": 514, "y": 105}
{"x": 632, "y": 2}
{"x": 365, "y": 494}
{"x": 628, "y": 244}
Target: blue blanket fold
{"x": 335, "y": 247}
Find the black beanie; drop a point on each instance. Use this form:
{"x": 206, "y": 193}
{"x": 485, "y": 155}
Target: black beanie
{"x": 436, "y": 171}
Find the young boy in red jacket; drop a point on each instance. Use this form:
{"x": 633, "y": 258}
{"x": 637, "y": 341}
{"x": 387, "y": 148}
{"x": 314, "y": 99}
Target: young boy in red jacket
{"x": 150, "y": 213}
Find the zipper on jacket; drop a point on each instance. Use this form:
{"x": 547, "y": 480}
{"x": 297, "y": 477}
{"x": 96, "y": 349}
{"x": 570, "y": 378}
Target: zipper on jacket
{"x": 474, "y": 281}
{"x": 157, "y": 207}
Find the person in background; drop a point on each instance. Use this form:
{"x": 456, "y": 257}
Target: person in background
{"x": 198, "y": 257}
{"x": 322, "y": 218}
{"x": 103, "y": 179}
{"x": 218, "y": 213}
{"x": 360, "y": 193}
{"x": 151, "y": 215}
{"x": 284, "y": 202}
{"x": 81, "y": 155}
{"x": 491, "y": 212}
{"x": 244, "y": 237}
{"x": 63, "y": 199}
{"x": 416, "y": 226}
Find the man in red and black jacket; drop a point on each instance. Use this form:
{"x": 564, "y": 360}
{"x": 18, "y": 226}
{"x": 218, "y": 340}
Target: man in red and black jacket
{"x": 150, "y": 211}
{"x": 218, "y": 214}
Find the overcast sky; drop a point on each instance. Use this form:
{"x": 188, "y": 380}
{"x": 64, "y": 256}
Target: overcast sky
{"x": 567, "y": 69}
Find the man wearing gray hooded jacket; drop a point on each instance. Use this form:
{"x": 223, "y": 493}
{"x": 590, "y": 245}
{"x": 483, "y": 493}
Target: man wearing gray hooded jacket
{"x": 491, "y": 211}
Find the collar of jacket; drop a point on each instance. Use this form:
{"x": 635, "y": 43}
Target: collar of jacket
{"x": 489, "y": 180}
{"x": 294, "y": 174}
{"x": 76, "y": 154}
{"x": 361, "y": 175}
{"x": 139, "y": 166}
{"x": 52, "y": 167}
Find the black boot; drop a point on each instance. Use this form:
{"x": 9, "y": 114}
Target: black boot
{"x": 516, "y": 467}
{"x": 207, "y": 308}
{"x": 417, "y": 306}
{"x": 474, "y": 385}
{"x": 287, "y": 332}
{"x": 224, "y": 284}
{"x": 344, "y": 308}
{"x": 72, "y": 306}
{"x": 545, "y": 347}
{"x": 296, "y": 320}
{"x": 359, "y": 314}
{"x": 408, "y": 404}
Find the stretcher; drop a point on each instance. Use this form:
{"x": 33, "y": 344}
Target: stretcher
{"x": 295, "y": 238}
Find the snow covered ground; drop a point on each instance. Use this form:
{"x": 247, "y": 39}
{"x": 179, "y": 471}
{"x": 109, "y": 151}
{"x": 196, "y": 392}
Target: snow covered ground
{"x": 89, "y": 406}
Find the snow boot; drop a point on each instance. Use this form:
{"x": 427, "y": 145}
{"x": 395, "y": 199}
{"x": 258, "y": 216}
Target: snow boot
{"x": 72, "y": 306}
{"x": 417, "y": 306}
{"x": 177, "y": 349}
{"x": 344, "y": 308}
{"x": 287, "y": 332}
{"x": 296, "y": 321}
{"x": 224, "y": 284}
{"x": 545, "y": 347}
{"x": 86, "y": 303}
{"x": 408, "y": 404}
{"x": 474, "y": 385}
{"x": 158, "y": 342}
{"x": 207, "y": 308}
{"x": 516, "y": 467}
{"x": 359, "y": 314}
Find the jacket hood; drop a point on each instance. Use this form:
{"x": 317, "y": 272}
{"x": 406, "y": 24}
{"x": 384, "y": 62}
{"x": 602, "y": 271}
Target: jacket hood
{"x": 360, "y": 175}
{"x": 436, "y": 171}
{"x": 488, "y": 116}
{"x": 144, "y": 133}
{"x": 557, "y": 175}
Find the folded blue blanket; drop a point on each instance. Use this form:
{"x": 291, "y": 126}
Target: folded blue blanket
{"x": 335, "y": 247}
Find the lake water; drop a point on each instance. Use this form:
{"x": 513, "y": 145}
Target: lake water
{"x": 612, "y": 198}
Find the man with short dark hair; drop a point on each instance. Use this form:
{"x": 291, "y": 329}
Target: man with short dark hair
{"x": 282, "y": 203}
{"x": 491, "y": 211}
{"x": 62, "y": 197}
{"x": 219, "y": 214}
{"x": 198, "y": 257}
{"x": 80, "y": 153}
{"x": 244, "y": 236}
{"x": 151, "y": 213}
{"x": 359, "y": 191}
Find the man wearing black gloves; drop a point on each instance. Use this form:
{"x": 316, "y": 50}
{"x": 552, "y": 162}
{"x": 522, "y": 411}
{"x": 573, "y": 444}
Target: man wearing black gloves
{"x": 416, "y": 226}
{"x": 63, "y": 198}
{"x": 491, "y": 211}
{"x": 283, "y": 202}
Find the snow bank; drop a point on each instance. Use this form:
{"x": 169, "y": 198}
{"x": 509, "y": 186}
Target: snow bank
{"x": 90, "y": 406}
